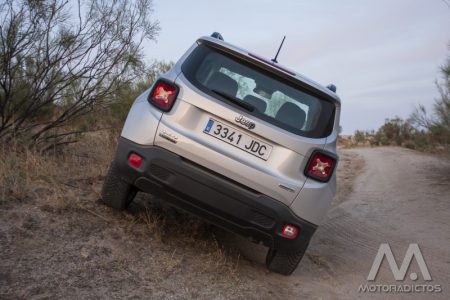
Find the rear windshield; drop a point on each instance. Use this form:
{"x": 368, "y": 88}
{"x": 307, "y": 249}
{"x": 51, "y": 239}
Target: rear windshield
{"x": 271, "y": 98}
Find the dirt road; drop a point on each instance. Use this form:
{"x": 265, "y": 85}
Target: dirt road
{"x": 82, "y": 249}
{"x": 401, "y": 197}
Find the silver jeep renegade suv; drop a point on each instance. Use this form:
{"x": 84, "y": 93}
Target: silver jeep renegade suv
{"x": 238, "y": 140}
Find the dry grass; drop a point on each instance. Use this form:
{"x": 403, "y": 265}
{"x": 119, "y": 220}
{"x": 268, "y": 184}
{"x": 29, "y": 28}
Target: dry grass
{"x": 178, "y": 231}
{"x": 52, "y": 177}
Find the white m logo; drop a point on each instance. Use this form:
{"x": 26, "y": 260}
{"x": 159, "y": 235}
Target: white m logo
{"x": 399, "y": 274}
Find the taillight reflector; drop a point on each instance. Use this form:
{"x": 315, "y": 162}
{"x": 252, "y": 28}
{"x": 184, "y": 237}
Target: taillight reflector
{"x": 320, "y": 166}
{"x": 289, "y": 231}
{"x": 163, "y": 95}
{"x": 135, "y": 160}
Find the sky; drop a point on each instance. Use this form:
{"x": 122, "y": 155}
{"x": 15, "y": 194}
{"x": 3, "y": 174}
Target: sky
{"x": 383, "y": 56}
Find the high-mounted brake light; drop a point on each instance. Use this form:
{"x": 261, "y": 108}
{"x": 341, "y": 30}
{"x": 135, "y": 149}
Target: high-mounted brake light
{"x": 273, "y": 64}
{"x": 163, "y": 95}
{"x": 320, "y": 166}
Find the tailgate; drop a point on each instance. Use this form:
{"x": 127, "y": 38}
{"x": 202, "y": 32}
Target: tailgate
{"x": 266, "y": 159}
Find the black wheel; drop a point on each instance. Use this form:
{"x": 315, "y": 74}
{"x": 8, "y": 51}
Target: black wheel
{"x": 116, "y": 192}
{"x": 284, "y": 262}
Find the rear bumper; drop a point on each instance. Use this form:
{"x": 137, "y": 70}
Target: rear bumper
{"x": 211, "y": 196}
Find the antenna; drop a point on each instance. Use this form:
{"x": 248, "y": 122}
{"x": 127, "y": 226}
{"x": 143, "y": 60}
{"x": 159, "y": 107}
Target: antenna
{"x": 278, "y": 52}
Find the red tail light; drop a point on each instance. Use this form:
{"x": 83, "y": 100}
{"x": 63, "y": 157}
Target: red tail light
{"x": 163, "y": 95}
{"x": 321, "y": 166}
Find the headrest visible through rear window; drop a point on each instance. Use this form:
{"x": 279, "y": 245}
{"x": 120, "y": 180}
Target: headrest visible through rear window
{"x": 291, "y": 115}
{"x": 259, "y": 104}
{"x": 223, "y": 83}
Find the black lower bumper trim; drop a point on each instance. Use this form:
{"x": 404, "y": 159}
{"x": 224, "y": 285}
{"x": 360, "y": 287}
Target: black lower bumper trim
{"x": 211, "y": 196}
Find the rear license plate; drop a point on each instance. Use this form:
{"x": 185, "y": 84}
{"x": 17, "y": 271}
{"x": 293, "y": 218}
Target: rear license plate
{"x": 238, "y": 139}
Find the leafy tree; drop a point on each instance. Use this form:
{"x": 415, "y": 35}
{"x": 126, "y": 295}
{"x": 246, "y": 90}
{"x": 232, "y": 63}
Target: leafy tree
{"x": 436, "y": 125}
{"x": 60, "y": 60}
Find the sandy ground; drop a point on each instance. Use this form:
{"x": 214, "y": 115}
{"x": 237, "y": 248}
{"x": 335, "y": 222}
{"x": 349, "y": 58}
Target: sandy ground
{"x": 82, "y": 249}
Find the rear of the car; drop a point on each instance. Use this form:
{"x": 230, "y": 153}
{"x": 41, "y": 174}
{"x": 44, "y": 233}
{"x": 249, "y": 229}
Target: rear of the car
{"x": 238, "y": 140}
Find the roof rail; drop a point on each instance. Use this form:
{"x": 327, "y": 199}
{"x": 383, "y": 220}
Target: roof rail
{"x": 332, "y": 88}
{"x": 217, "y": 35}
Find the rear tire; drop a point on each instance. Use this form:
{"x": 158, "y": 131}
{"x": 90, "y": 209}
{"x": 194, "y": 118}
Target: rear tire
{"x": 284, "y": 262}
{"x": 116, "y": 192}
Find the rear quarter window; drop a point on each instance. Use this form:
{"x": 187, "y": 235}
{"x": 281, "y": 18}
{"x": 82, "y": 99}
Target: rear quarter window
{"x": 275, "y": 99}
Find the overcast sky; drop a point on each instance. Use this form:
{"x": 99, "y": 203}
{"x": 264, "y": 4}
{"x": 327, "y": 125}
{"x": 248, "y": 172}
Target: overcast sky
{"x": 383, "y": 56}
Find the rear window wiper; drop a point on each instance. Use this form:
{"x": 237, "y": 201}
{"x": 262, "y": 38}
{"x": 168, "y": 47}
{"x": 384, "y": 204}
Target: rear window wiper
{"x": 235, "y": 100}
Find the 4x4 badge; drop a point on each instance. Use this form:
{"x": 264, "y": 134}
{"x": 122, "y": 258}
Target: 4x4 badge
{"x": 246, "y": 122}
